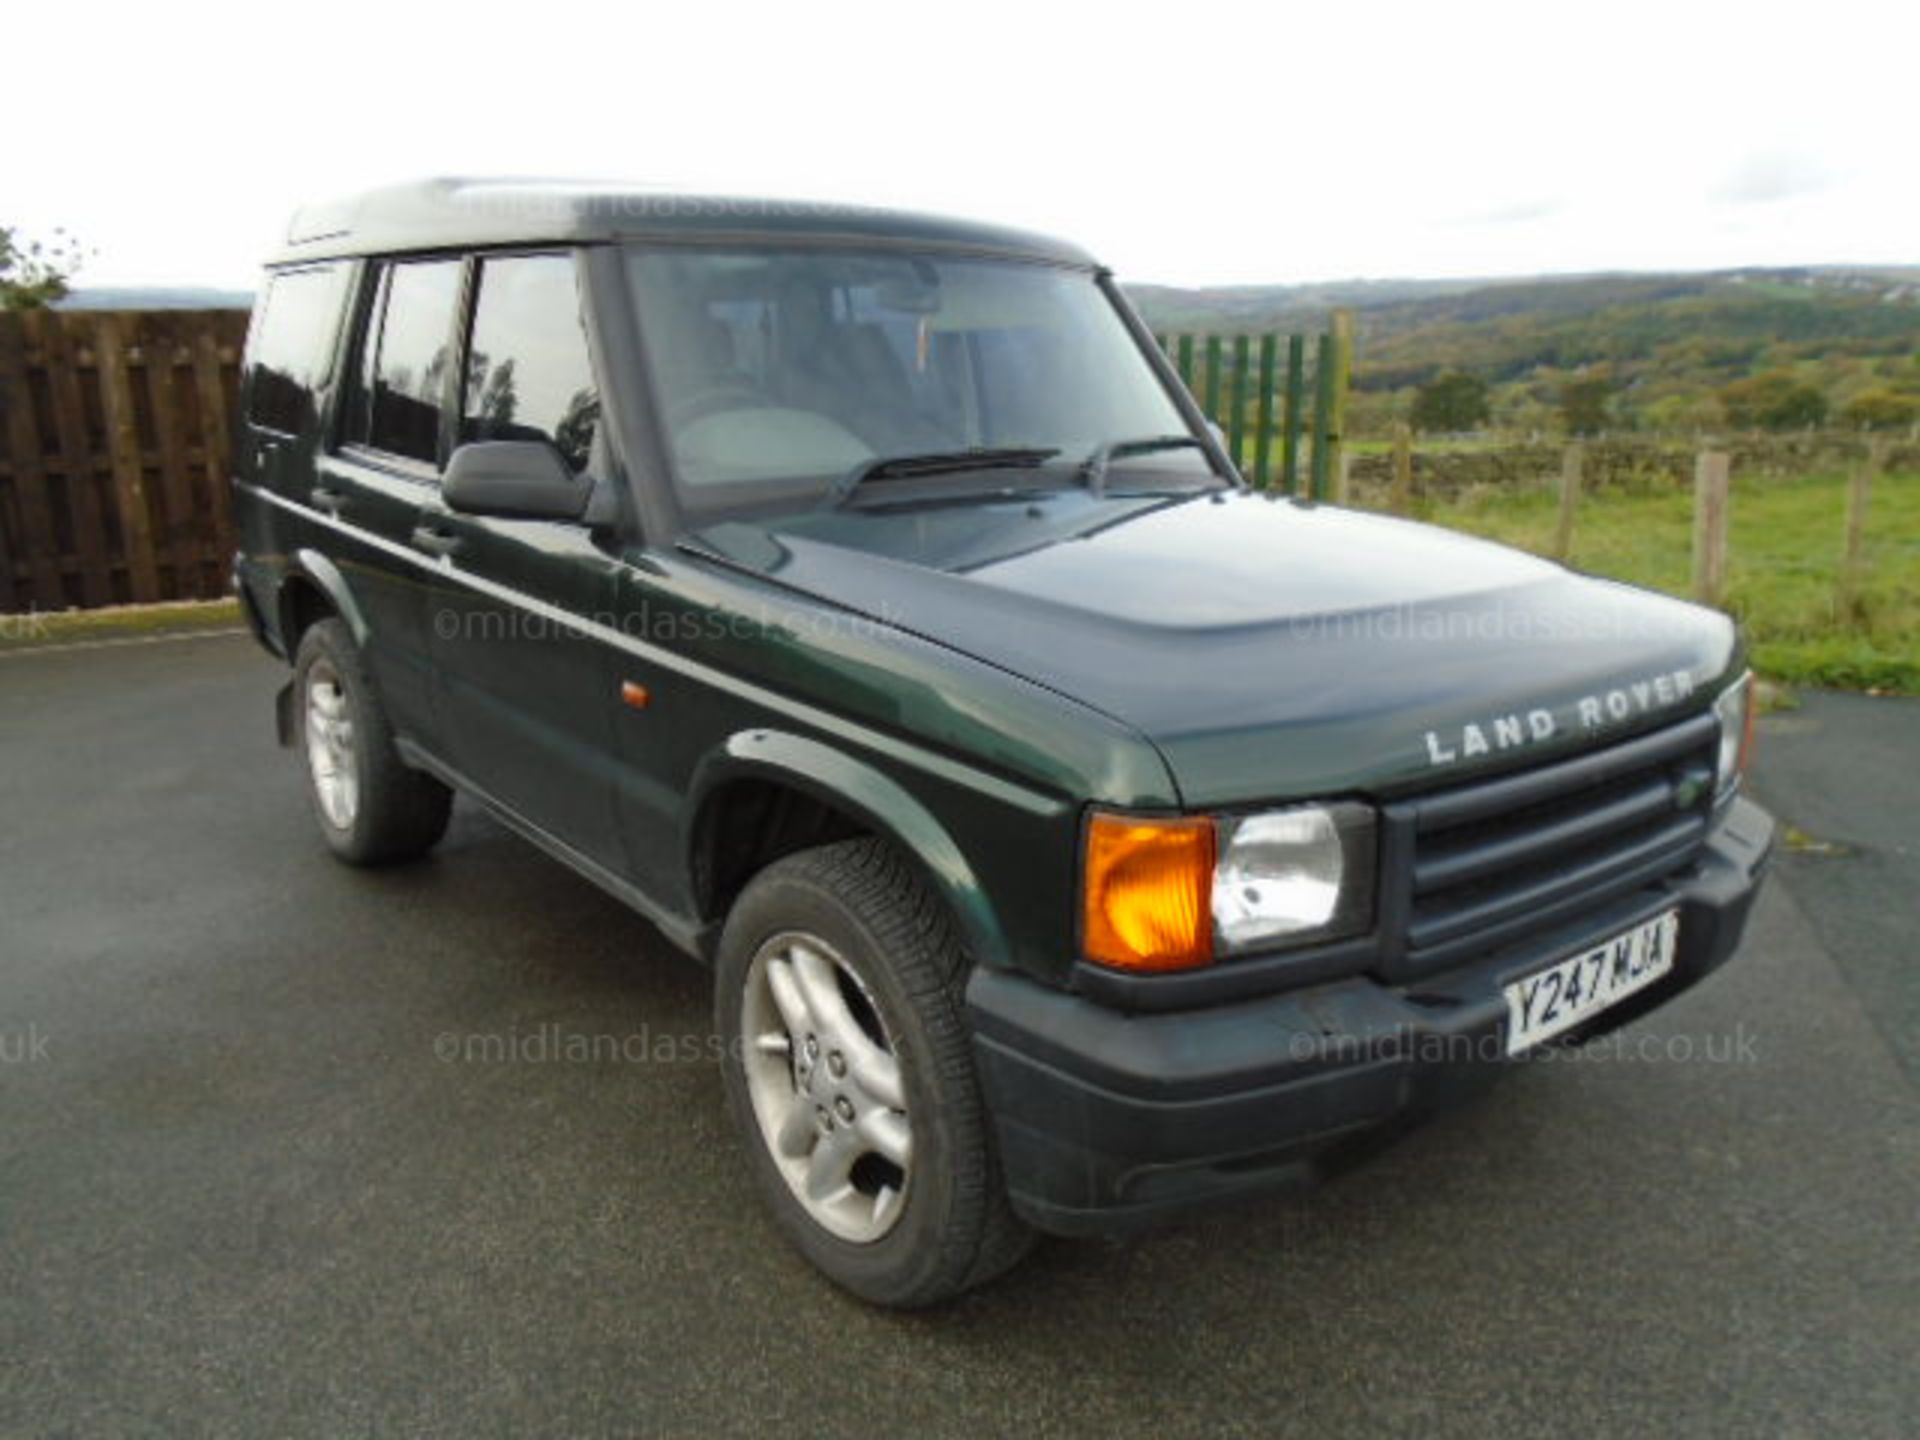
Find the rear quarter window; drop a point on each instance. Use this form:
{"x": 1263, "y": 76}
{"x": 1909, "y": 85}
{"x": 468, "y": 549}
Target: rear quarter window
{"x": 290, "y": 355}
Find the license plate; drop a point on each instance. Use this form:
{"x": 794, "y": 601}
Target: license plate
{"x": 1547, "y": 1002}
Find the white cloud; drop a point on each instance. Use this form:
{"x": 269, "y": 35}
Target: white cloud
{"x": 1515, "y": 212}
{"x": 1204, "y": 143}
{"x": 1770, "y": 175}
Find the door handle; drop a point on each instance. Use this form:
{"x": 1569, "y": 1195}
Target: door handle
{"x": 330, "y": 500}
{"x": 437, "y": 542}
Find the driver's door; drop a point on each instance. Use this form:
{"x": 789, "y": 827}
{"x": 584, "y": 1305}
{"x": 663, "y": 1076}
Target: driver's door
{"x": 528, "y": 703}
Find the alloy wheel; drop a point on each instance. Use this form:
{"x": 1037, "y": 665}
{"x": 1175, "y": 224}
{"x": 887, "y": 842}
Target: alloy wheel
{"x": 826, "y": 1087}
{"x": 331, "y": 759}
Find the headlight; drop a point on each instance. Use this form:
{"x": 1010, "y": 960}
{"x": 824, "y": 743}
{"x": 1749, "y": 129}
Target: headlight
{"x": 1734, "y": 708}
{"x": 1171, "y": 894}
{"x": 1293, "y": 875}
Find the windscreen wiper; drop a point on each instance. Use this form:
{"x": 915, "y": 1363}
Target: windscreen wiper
{"x": 1093, "y": 470}
{"x": 942, "y": 462}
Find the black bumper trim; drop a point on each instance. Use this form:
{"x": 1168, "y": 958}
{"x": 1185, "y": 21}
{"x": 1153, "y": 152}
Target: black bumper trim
{"x": 1109, "y": 1121}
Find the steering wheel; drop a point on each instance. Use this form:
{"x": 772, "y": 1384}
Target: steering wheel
{"x": 733, "y": 395}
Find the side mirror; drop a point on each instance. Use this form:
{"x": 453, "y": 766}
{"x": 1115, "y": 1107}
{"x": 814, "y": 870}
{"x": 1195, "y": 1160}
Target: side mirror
{"x": 519, "y": 479}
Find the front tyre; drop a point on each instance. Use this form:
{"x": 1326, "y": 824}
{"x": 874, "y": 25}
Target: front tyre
{"x": 849, "y": 1071}
{"x": 372, "y": 808}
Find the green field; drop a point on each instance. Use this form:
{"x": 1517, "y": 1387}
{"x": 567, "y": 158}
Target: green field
{"x": 1785, "y": 546}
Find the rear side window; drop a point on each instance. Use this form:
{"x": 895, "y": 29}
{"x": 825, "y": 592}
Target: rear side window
{"x": 409, "y": 348}
{"x": 528, "y": 372}
{"x": 291, "y": 354}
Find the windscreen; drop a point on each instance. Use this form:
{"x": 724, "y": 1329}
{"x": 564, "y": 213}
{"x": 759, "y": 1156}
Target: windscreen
{"x": 780, "y": 372}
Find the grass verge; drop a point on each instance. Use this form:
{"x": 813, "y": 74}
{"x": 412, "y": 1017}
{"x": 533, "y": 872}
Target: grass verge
{"x": 38, "y": 628}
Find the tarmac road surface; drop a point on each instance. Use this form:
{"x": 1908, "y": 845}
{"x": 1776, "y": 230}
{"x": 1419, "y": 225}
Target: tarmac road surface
{"x": 267, "y": 1169}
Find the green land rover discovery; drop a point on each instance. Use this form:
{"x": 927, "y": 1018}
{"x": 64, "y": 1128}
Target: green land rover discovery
{"x": 1076, "y": 834}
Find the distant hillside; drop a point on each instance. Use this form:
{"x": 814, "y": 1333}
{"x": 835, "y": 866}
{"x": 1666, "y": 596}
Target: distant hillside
{"x": 1394, "y": 304}
{"x": 155, "y": 297}
{"x": 1663, "y": 345}
{"x": 1232, "y": 308}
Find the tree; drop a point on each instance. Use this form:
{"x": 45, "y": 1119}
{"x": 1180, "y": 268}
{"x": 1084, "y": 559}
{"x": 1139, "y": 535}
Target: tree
{"x": 1800, "y": 408}
{"x": 573, "y": 434}
{"x": 1519, "y": 409}
{"x": 499, "y": 398}
{"x": 1773, "y": 401}
{"x": 1583, "y": 406}
{"x": 1881, "y": 410}
{"x": 1683, "y": 410}
{"x": 1452, "y": 400}
{"x": 33, "y": 275}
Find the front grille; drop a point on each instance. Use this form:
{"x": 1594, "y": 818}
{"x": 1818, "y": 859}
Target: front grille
{"x": 1484, "y": 863}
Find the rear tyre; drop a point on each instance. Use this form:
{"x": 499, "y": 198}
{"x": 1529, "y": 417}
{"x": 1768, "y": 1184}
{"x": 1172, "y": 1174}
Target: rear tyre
{"x": 839, "y": 991}
{"x": 372, "y": 809}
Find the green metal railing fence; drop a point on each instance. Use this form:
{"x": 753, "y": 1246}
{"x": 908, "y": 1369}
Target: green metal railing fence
{"x": 1255, "y": 388}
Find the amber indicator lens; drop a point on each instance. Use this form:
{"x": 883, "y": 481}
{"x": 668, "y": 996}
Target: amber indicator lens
{"x": 1147, "y": 890}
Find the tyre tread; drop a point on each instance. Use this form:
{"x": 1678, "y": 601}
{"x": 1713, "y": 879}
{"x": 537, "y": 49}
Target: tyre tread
{"x": 403, "y": 811}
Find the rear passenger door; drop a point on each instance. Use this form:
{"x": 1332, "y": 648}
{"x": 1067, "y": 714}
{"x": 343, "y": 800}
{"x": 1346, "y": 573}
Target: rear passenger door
{"x": 385, "y": 470}
{"x": 528, "y": 705}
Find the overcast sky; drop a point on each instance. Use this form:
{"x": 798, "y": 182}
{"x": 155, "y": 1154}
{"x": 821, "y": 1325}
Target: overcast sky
{"x": 1185, "y": 143}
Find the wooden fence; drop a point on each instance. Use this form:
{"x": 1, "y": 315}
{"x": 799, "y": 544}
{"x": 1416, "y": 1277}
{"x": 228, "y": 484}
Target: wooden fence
{"x": 114, "y": 443}
{"x": 1255, "y": 387}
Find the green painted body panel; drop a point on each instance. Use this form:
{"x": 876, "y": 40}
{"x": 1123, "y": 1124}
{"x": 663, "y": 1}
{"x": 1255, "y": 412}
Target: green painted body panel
{"x": 982, "y": 773}
{"x": 1269, "y": 649}
{"x": 882, "y": 801}
{"x": 526, "y": 702}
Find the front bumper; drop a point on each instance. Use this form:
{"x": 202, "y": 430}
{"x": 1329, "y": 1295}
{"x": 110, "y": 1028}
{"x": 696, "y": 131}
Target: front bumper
{"x": 1109, "y": 1121}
